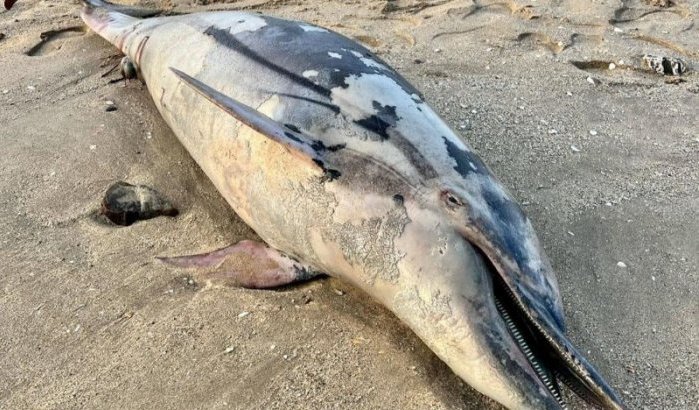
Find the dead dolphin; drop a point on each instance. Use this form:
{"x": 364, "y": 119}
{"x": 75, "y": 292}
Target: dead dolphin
{"x": 340, "y": 166}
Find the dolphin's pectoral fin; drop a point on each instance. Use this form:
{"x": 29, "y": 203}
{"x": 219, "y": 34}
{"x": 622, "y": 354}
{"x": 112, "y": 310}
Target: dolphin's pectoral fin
{"x": 292, "y": 138}
{"x": 247, "y": 264}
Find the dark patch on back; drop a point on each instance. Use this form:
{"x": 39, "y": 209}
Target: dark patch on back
{"x": 293, "y": 137}
{"x": 379, "y": 123}
{"x": 463, "y": 159}
{"x": 320, "y": 146}
{"x": 292, "y": 127}
{"x": 328, "y": 173}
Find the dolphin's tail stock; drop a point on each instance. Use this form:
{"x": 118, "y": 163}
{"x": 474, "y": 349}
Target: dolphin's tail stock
{"x": 113, "y": 22}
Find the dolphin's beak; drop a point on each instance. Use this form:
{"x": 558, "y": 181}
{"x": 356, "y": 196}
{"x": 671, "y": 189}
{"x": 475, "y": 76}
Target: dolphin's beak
{"x": 534, "y": 321}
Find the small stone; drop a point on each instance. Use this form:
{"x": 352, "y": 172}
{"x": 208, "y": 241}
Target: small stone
{"x": 31, "y": 88}
{"x": 618, "y": 30}
{"x": 5, "y": 91}
{"x": 418, "y": 61}
{"x": 338, "y": 292}
{"x": 569, "y": 94}
{"x": 93, "y": 147}
{"x": 552, "y": 132}
{"x": 243, "y": 314}
{"x": 571, "y": 233}
{"x": 612, "y": 66}
{"x": 574, "y": 148}
{"x": 593, "y": 132}
{"x": 621, "y": 264}
{"x": 591, "y": 80}
{"x": 110, "y": 108}
{"x": 149, "y": 135}
{"x": 229, "y": 349}
{"x": 437, "y": 50}
{"x": 125, "y": 204}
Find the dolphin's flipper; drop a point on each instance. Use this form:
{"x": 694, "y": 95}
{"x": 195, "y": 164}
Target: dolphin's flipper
{"x": 247, "y": 264}
{"x": 292, "y": 139}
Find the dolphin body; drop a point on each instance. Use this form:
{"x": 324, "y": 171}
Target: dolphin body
{"x": 340, "y": 166}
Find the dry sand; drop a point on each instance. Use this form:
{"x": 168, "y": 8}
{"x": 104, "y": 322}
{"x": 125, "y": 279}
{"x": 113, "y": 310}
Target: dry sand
{"x": 89, "y": 320}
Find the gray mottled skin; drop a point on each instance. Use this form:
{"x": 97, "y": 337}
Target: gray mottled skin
{"x": 409, "y": 203}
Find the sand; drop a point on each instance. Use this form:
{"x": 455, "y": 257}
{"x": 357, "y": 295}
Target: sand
{"x": 602, "y": 153}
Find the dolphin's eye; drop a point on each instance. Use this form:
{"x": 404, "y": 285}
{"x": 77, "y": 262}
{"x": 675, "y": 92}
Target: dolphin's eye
{"x": 451, "y": 201}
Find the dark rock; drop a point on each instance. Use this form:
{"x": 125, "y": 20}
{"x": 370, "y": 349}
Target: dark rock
{"x": 125, "y": 204}
{"x": 665, "y": 65}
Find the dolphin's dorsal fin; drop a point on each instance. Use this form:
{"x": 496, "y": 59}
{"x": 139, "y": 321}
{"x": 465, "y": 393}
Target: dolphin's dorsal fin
{"x": 291, "y": 138}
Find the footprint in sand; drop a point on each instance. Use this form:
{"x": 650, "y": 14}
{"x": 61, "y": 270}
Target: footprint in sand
{"x": 51, "y": 40}
{"x": 634, "y": 10}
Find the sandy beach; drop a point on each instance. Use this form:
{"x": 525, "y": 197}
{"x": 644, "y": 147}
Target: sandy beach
{"x": 554, "y": 95}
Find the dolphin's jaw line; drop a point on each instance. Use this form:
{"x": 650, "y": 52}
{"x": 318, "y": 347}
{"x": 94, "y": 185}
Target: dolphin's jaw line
{"x": 506, "y": 306}
{"x": 551, "y": 360}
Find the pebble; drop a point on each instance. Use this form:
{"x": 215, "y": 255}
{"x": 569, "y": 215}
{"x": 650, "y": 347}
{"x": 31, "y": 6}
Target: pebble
{"x": 574, "y": 148}
{"x": 553, "y": 132}
{"x": 618, "y": 30}
{"x": 243, "y": 314}
{"x": 569, "y": 94}
{"x": 229, "y": 349}
{"x": 612, "y": 66}
{"x": 338, "y": 292}
{"x": 31, "y": 88}
{"x": 591, "y": 80}
{"x": 5, "y": 91}
{"x": 93, "y": 147}
{"x": 621, "y": 264}
{"x": 593, "y": 132}
{"x": 571, "y": 233}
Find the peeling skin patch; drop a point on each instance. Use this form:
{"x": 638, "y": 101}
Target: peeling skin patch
{"x": 370, "y": 243}
{"x": 308, "y": 28}
{"x": 243, "y": 24}
{"x": 310, "y": 73}
{"x": 335, "y": 55}
{"x": 367, "y": 61}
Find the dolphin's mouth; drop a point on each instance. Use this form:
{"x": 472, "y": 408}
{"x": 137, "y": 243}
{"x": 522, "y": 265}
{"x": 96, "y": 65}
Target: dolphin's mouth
{"x": 552, "y": 361}
{"x": 525, "y": 335}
